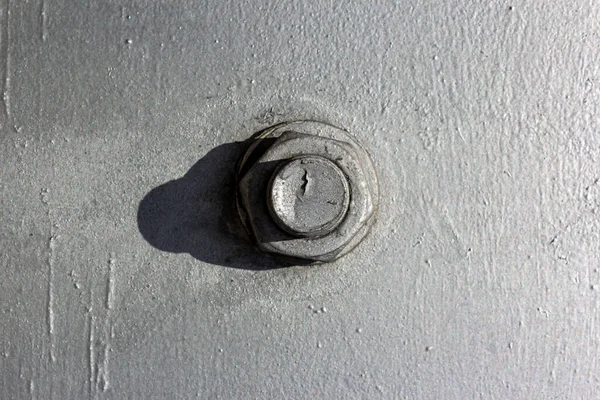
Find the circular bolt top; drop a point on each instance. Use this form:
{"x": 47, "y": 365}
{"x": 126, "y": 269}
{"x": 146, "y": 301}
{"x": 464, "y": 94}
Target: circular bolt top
{"x": 308, "y": 196}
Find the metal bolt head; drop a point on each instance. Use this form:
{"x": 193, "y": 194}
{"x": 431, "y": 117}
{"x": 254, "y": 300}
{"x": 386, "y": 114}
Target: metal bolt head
{"x": 307, "y": 191}
{"x": 308, "y": 196}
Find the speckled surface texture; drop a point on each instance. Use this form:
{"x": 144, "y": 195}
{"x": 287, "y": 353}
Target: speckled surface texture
{"x": 121, "y": 123}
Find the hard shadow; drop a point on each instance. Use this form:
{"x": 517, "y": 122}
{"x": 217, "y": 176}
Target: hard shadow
{"x": 197, "y": 214}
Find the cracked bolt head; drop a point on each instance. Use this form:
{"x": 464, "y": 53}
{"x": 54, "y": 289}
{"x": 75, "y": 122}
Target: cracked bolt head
{"x": 307, "y": 191}
{"x": 308, "y": 196}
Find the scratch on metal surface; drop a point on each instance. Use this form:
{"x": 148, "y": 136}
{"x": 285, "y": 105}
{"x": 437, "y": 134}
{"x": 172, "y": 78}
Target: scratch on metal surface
{"x": 44, "y": 20}
{"x": 101, "y": 331}
{"x": 102, "y": 381}
{"x": 50, "y": 294}
{"x": 51, "y": 246}
{"x": 5, "y": 46}
{"x": 110, "y": 286}
{"x": 91, "y": 344}
{"x": 5, "y": 54}
{"x": 102, "y": 377}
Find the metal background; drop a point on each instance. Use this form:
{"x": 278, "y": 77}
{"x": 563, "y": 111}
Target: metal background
{"x": 120, "y": 129}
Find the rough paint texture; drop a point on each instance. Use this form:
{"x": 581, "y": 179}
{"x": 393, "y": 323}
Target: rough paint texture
{"x": 481, "y": 279}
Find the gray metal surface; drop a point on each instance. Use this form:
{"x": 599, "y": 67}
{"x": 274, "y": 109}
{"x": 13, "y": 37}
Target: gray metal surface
{"x": 121, "y": 123}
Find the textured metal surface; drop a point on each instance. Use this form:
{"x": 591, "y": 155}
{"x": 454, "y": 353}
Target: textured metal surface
{"x": 121, "y": 125}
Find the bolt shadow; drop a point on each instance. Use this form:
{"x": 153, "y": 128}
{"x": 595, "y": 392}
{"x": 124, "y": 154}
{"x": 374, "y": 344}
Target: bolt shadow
{"x": 196, "y": 214}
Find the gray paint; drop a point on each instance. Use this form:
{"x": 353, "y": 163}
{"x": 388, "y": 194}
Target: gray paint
{"x": 480, "y": 280}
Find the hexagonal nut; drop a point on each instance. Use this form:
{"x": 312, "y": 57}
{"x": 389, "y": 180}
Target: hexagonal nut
{"x": 311, "y": 156}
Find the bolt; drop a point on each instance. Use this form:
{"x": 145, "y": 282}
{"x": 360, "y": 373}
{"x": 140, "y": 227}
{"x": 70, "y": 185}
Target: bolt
{"x": 307, "y": 191}
{"x": 308, "y": 196}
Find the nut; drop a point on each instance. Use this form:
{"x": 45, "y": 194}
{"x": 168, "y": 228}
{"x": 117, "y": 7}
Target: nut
{"x": 307, "y": 191}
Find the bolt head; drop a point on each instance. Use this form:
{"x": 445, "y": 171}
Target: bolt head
{"x": 307, "y": 191}
{"x": 308, "y": 196}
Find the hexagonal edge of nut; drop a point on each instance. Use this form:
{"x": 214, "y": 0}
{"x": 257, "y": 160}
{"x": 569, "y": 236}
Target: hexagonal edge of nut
{"x": 370, "y": 182}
